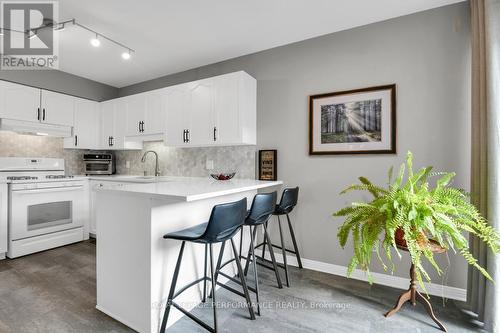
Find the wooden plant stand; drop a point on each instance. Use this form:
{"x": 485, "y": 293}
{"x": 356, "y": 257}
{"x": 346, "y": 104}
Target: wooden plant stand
{"x": 412, "y": 295}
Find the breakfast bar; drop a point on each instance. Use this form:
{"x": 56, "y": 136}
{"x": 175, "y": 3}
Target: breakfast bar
{"x": 135, "y": 264}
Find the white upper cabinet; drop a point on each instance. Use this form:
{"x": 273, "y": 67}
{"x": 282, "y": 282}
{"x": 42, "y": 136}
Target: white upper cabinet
{"x": 155, "y": 117}
{"x": 107, "y": 121}
{"x": 227, "y": 112}
{"x": 57, "y": 109}
{"x": 201, "y": 113}
{"x": 86, "y": 125}
{"x": 113, "y": 126}
{"x": 19, "y": 102}
{"x": 176, "y": 105}
{"x": 217, "y": 111}
{"x": 146, "y": 113}
{"x": 135, "y": 109}
{"x": 221, "y": 110}
{"x": 236, "y": 109}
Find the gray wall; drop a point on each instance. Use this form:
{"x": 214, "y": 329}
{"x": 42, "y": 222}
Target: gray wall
{"x": 61, "y": 82}
{"x": 425, "y": 54}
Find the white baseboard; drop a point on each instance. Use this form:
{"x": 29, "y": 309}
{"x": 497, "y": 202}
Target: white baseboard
{"x": 378, "y": 278}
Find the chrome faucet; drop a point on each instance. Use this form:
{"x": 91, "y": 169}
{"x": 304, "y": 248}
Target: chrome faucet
{"x": 143, "y": 160}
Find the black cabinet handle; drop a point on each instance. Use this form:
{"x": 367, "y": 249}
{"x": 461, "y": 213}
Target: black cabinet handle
{"x": 139, "y": 127}
{"x": 215, "y": 133}
{"x": 142, "y": 126}
{"x": 43, "y": 114}
{"x": 38, "y": 114}
{"x": 109, "y": 141}
{"x": 184, "y": 136}
{"x": 187, "y": 136}
{"x": 76, "y": 140}
{"x": 112, "y": 141}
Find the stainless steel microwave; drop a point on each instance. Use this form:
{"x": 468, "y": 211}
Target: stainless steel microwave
{"x": 99, "y": 164}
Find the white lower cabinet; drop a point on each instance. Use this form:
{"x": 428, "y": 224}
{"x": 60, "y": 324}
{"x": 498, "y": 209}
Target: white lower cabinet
{"x": 94, "y": 185}
{"x": 3, "y": 220}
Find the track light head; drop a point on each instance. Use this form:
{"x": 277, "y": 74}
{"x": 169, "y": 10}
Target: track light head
{"x": 95, "y": 41}
{"x": 126, "y": 55}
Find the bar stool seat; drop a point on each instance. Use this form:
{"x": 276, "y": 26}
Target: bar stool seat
{"x": 225, "y": 221}
{"x": 192, "y": 234}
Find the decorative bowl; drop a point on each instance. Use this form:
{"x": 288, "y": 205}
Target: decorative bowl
{"x": 222, "y": 175}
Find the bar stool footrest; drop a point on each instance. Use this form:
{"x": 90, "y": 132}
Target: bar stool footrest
{"x": 235, "y": 281}
{"x": 193, "y": 317}
{"x": 186, "y": 287}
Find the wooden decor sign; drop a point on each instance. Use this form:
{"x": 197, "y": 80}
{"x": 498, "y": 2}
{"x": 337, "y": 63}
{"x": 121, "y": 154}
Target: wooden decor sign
{"x": 268, "y": 165}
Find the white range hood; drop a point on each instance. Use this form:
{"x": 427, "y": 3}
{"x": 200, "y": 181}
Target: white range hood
{"x": 35, "y": 128}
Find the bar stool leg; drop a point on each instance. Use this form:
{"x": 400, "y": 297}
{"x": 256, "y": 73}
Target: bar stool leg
{"x": 264, "y": 243}
{"x": 294, "y": 241}
{"x": 212, "y": 275}
{"x": 273, "y": 258}
{"x": 172, "y": 289}
{"x": 219, "y": 263}
{"x": 241, "y": 240}
{"x": 243, "y": 282}
{"x": 205, "y": 276}
{"x": 283, "y": 250}
{"x": 249, "y": 254}
{"x": 252, "y": 238}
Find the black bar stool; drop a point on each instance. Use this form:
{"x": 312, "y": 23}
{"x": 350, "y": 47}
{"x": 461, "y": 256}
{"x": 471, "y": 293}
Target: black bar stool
{"x": 287, "y": 203}
{"x": 225, "y": 221}
{"x": 263, "y": 206}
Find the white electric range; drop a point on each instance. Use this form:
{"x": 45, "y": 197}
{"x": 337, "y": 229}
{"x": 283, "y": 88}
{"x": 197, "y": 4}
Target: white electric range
{"x": 46, "y": 209}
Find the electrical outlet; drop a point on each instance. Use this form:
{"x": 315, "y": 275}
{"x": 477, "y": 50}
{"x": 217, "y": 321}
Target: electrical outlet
{"x": 209, "y": 165}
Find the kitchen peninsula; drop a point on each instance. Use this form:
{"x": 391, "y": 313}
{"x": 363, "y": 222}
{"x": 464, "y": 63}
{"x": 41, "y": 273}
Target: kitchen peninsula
{"x": 135, "y": 264}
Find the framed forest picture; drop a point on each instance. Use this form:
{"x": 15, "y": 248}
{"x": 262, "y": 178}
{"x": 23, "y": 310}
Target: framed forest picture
{"x": 361, "y": 121}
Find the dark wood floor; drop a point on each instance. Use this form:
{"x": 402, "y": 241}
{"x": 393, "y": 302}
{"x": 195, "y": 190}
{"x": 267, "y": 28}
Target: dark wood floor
{"x": 54, "y": 291}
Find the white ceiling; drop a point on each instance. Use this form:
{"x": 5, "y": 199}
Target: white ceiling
{"x": 170, "y": 36}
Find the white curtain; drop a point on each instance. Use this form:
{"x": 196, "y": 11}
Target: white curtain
{"x": 483, "y": 296}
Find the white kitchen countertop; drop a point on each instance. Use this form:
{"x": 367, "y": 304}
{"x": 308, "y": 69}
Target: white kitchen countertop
{"x": 189, "y": 188}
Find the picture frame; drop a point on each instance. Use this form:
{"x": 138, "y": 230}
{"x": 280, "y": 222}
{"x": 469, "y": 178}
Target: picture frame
{"x": 359, "y": 121}
{"x": 268, "y": 164}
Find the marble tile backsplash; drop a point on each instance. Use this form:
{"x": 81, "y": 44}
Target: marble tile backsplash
{"x": 18, "y": 145}
{"x": 190, "y": 162}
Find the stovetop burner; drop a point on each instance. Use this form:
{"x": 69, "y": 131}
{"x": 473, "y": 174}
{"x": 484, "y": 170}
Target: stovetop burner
{"x": 22, "y": 178}
{"x": 58, "y": 176}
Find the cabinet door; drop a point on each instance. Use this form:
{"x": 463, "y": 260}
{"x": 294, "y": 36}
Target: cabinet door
{"x": 135, "y": 108}
{"x": 120, "y": 123}
{"x": 86, "y": 127}
{"x": 3, "y": 218}
{"x": 154, "y": 122}
{"x": 19, "y": 102}
{"x": 57, "y": 109}
{"x": 227, "y": 122}
{"x": 201, "y": 112}
{"x": 176, "y": 102}
{"x": 107, "y": 124}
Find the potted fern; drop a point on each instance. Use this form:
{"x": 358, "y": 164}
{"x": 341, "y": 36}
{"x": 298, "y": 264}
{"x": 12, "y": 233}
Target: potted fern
{"x": 415, "y": 215}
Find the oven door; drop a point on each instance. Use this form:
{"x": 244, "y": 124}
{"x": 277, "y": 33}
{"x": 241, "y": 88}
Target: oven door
{"x": 41, "y": 211}
{"x": 98, "y": 168}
